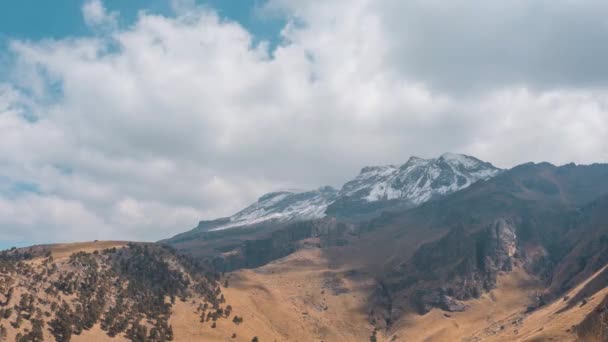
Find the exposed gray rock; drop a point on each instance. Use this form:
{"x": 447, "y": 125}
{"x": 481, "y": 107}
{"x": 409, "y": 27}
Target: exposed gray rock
{"x": 457, "y": 267}
{"x": 450, "y": 304}
{"x": 335, "y": 284}
{"x": 502, "y": 246}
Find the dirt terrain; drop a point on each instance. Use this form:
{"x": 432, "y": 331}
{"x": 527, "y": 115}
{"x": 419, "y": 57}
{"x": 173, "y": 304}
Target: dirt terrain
{"x": 299, "y": 298}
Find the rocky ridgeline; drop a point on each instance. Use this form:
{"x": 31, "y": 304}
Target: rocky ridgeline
{"x": 419, "y": 180}
{"x": 375, "y": 189}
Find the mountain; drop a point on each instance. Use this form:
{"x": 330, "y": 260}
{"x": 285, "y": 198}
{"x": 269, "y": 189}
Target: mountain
{"x": 375, "y": 189}
{"x": 539, "y": 218}
{"x": 530, "y": 243}
{"x": 411, "y": 184}
{"x": 271, "y": 227}
{"x": 278, "y": 206}
{"x": 418, "y": 180}
{"x": 519, "y": 256}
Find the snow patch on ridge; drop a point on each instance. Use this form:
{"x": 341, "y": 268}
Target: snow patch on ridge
{"x": 284, "y": 206}
{"x": 419, "y": 179}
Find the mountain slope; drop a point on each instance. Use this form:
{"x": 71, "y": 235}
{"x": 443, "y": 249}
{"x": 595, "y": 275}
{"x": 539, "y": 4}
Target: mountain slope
{"x": 453, "y": 249}
{"x": 279, "y": 206}
{"x": 475, "y": 263}
{"x": 104, "y": 291}
{"x": 529, "y": 217}
{"x": 273, "y": 226}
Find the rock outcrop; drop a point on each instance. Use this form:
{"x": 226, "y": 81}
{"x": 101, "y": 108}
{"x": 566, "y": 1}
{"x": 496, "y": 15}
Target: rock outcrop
{"x": 460, "y": 266}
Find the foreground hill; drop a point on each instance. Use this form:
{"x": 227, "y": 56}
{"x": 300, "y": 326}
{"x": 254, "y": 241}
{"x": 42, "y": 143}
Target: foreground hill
{"x": 107, "y": 291}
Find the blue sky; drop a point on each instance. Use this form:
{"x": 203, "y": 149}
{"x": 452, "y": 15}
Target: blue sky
{"x": 35, "y": 19}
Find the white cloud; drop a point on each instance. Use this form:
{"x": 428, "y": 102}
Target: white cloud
{"x": 96, "y": 16}
{"x": 177, "y": 119}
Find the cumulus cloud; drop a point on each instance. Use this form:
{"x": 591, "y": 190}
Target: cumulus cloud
{"x": 96, "y": 16}
{"x": 141, "y": 132}
{"x": 469, "y": 44}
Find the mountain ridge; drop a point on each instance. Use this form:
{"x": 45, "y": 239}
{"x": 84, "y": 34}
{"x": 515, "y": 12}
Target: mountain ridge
{"x": 375, "y": 187}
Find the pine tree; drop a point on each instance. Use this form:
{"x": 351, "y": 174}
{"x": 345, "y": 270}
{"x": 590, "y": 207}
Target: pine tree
{"x": 373, "y": 337}
{"x": 170, "y": 333}
{"x": 228, "y": 310}
{"x": 61, "y": 325}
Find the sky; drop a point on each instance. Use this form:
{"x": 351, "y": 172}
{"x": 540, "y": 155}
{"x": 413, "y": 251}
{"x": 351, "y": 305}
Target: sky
{"x": 136, "y": 119}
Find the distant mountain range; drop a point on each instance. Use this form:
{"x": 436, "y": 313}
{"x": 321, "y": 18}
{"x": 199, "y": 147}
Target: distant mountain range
{"x": 376, "y": 188}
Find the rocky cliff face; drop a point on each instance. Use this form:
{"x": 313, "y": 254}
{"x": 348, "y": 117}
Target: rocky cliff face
{"x": 444, "y": 273}
{"x": 500, "y": 246}
{"x": 460, "y": 266}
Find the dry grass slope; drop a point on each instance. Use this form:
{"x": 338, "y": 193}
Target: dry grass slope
{"x": 292, "y": 300}
{"x": 298, "y": 298}
{"x": 305, "y": 298}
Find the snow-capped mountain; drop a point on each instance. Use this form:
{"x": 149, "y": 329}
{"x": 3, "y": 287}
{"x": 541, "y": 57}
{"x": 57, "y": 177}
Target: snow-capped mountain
{"x": 418, "y": 180}
{"x": 284, "y": 206}
{"x": 411, "y": 184}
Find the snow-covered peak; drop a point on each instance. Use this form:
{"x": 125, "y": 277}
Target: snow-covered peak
{"x": 284, "y": 206}
{"x": 461, "y": 159}
{"x": 418, "y": 180}
{"x": 413, "y": 183}
{"x": 415, "y": 160}
{"x": 376, "y": 172}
